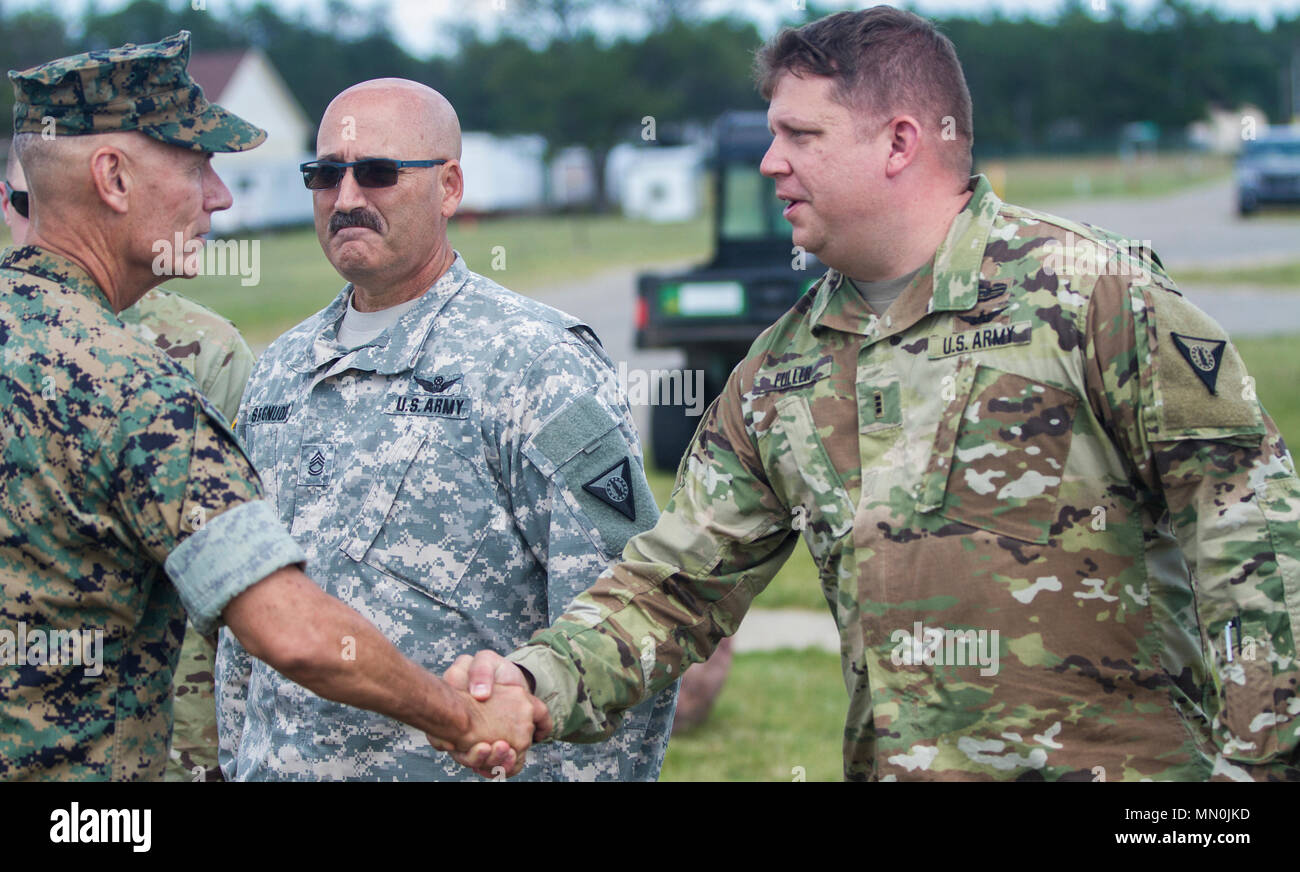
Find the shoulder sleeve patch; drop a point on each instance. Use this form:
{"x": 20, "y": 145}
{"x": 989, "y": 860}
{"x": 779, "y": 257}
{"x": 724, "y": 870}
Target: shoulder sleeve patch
{"x": 584, "y": 453}
{"x": 1198, "y": 380}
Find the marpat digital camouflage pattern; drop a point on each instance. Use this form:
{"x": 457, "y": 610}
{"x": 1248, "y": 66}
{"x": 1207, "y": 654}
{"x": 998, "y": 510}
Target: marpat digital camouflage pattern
{"x": 457, "y": 480}
{"x": 114, "y": 466}
{"x": 213, "y": 352}
{"x": 1009, "y": 450}
{"x": 134, "y": 87}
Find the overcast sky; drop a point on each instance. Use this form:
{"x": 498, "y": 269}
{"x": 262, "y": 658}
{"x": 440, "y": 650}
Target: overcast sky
{"x": 420, "y": 25}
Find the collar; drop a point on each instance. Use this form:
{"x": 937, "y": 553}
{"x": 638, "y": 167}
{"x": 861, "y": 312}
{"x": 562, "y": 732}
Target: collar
{"x": 45, "y": 264}
{"x": 949, "y": 283}
{"x": 395, "y": 350}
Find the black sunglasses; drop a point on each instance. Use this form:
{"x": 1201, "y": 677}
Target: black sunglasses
{"x": 373, "y": 172}
{"x": 17, "y": 199}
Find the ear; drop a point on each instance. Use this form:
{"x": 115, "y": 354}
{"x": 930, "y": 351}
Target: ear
{"x": 904, "y": 134}
{"x": 452, "y": 188}
{"x": 111, "y": 177}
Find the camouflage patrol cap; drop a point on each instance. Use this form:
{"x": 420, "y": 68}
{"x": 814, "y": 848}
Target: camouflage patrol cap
{"x": 134, "y": 87}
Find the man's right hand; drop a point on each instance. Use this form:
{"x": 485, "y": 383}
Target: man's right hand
{"x": 486, "y": 675}
{"x": 500, "y": 732}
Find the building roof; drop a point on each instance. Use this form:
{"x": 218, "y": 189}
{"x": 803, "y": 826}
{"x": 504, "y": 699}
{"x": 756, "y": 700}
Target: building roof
{"x": 214, "y": 69}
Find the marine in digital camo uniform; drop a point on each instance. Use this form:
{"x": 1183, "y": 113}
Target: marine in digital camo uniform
{"x": 458, "y": 479}
{"x": 1061, "y": 451}
{"x": 111, "y": 400}
{"x": 214, "y": 353}
{"x": 115, "y": 464}
{"x": 211, "y": 349}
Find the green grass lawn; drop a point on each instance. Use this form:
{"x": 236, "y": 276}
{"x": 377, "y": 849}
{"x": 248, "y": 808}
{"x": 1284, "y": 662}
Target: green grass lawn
{"x": 1283, "y": 276}
{"x": 531, "y": 252}
{"x": 778, "y": 710}
{"x": 1036, "y": 180}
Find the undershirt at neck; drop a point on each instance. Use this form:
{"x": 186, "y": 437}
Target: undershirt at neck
{"x": 881, "y": 295}
{"x": 359, "y": 328}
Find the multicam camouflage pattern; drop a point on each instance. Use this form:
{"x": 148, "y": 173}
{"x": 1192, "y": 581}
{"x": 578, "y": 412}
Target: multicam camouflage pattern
{"x": 114, "y": 466}
{"x": 134, "y": 87}
{"x": 457, "y": 480}
{"x": 1007, "y": 449}
{"x": 213, "y": 352}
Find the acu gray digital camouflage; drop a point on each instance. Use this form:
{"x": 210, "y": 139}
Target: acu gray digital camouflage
{"x": 457, "y": 480}
{"x": 1058, "y": 532}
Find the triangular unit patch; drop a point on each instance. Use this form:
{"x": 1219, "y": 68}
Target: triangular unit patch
{"x": 1203, "y": 355}
{"x": 613, "y": 487}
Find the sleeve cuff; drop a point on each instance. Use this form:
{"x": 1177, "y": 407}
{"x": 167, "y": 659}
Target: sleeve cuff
{"x": 231, "y": 553}
{"x": 556, "y": 686}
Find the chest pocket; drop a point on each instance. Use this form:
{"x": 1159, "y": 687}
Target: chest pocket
{"x": 999, "y": 453}
{"x": 428, "y": 507}
{"x": 814, "y": 490}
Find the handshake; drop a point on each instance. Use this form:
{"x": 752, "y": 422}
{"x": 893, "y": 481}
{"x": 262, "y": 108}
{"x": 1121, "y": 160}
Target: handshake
{"x": 504, "y": 717}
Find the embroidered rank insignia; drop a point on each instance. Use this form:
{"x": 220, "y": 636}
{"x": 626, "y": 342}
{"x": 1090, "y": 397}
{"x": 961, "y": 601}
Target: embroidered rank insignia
{"x": 317, "y": 465}
{"x": 613, "y": 487}
{"x": 440, "y": 383}
{"x": 1204, "y": 355}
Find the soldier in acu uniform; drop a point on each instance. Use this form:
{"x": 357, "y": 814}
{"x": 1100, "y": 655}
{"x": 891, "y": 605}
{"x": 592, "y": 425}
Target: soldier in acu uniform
{"x": 124, "y": 496}
{"x": 457, "y": 460}
{"x": 213, "y": 352}
{"x": 1056, "y": 529}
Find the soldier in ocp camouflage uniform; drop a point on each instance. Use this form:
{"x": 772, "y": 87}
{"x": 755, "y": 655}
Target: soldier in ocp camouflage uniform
{"x": 457, "y": 460}
{"x": 1057, "y": 531}
{"x": 124, "y": 493}
{"x": 213, "y": 352}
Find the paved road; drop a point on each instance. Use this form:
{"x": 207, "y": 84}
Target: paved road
{"x": 1194, "y": 227}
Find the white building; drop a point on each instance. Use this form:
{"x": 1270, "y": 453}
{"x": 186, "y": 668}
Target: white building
{"x": 503, "y": 173}
{"x": 265, "y": 182}
{"x": 1225, "y": 130}
{"x": 659, "y": 184}
{"x": 573, "y": 178}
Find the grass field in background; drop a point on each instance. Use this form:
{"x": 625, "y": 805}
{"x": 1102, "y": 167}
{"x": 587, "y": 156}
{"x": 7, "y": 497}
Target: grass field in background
{"x": 1035, "y": 180}
{"x": 778, "y": 710}
{"x": 297, "y": 280}
{"x": 1282, "y": 276}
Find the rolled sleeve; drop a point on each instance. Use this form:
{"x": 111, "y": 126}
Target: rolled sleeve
{"x": 229, "y": 554}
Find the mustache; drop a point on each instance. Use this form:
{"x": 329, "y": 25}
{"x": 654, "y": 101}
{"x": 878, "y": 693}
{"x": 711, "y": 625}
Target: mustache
{"x": 355, "y": 218}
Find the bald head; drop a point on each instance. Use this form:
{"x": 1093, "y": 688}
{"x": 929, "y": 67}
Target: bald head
{"x": 390, "y": 241}
{"x": 421, "y": 120}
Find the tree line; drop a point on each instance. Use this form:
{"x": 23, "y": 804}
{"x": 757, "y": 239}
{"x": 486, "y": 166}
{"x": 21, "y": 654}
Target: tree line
{"x": 1066, "y": 81}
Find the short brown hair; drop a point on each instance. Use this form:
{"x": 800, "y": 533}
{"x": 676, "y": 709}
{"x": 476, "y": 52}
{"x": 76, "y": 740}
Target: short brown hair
{"x": 883, "y": 60}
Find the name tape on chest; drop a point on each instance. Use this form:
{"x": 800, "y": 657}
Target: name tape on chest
{"x": 274, "y": 413}
{"x": 423, "y": 404}
{"x": 792, "y": 377}
{"x": 981, "y": 339}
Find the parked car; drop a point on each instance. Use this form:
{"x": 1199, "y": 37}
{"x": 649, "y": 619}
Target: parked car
{"x": 1268, "y": 171}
